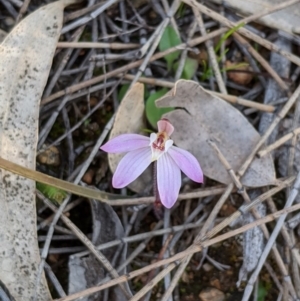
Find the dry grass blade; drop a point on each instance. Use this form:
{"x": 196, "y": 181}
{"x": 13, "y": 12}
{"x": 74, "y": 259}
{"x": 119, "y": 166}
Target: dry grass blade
{"x": 111, "y": 199}
{"x": 67, "y": 186}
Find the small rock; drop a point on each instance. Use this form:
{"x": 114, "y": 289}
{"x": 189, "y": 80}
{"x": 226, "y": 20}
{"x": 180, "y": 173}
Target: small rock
{"x": 90, "y": 129}
{"x": 50, "y": 156}
{"x": 227, "y": 209}
{"x": 211, "y": 294}
{"x": 185, "y": 277}
{"x": 93, "y": 101}
{"x": 88, "y": 176}
{"x": 229, "y": 272}
{"x": 215, "y": 283}
{"x": 53, "y": 258}
{"x": 207, "y": 267}
{"x": 9, "y": 21}
{"x": 189, "y": 297}
{"x": 101, "y": 171}
{"x": 239, "y": 77}
{"x": 201, "y": 56}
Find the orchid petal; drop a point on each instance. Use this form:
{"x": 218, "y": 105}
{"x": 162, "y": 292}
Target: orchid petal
{"x": 153, "y": 137}
{"x": 168, "y": 180}
{"x": 187, "y": 163}
{"x": 164, "y": 125}
{"x": 125, "y": 143}
{"x": 131, "y": 166}
{"x": 168, "y": 144}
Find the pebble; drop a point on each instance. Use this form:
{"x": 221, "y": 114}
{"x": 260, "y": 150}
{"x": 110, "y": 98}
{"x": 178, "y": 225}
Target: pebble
{"x": 211, "y": 294}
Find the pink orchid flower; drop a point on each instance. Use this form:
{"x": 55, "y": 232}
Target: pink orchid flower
{"x": 142, "y": 150}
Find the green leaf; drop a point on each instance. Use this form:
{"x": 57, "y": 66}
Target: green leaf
{"x": 236, "y": 66}
{"x": 227, "y": 34}
{"x": 207, "y": 71}
{"x": 181, "y": 10}
{"x": 123, "y": 91}
{"x": 169, "y": 39}
{"x": 87, "y": 122}
{"x": 189, "y": 69}
{"x": 262, "y": 292}
{"x": 55, "y": 195}
{"x": 153, "y": 113}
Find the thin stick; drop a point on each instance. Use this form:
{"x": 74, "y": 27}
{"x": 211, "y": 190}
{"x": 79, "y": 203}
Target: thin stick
{"x": 22, "y": 10}
{"x": 273, "y": 276}
{"x": 204, "y": 229}
{"x": 185, "y": 261}
{"x": 192, "y": 250}
{"x": 17, "y": 3}
{"x": 60, "y": 210}
{"x": 99, "y": 256}
{"x": 279, "y": 142}
{"x": 83, "y": 119}
{"x": 271, "y": 242}
{"x": 105, "y": 197}
{"x": 134, "y": 253}
{"x": 59, "y": 289}
{"x": 45, "y": 130}
{"x": 255, "y": 212}
{"x": 272, "y": 126}
{"x": 55, "y": 182}
{"x": 243, "y": 48}
{"x": 223, "y": 47}
{"x": 158, "y": 34}
{"x": 245, "y": 208}
{"x": 183, "y": 55}
{"x": 248, "y": 161}
{"x": 262, "y": 61}
{"x": 145, "y": 235}
{"x": 152, "y": 281}
{"x": 170, "y": 14}
{"x": 292, "y": 149}
{"x": 182, "y": 266}
{"x": 205, "y": 10}
{"x": 63, "y": 60}
{"x": 211, "y": 53}
{"x": 295, "y": 266}
{"x": 202, "y": 236}
{"x": 78, "y": 13}
{"x": 130, "y": 66}
{"x": 86, "y": 19}
{"x": 230, "y": 98}
{"x": 98, "y": 45}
